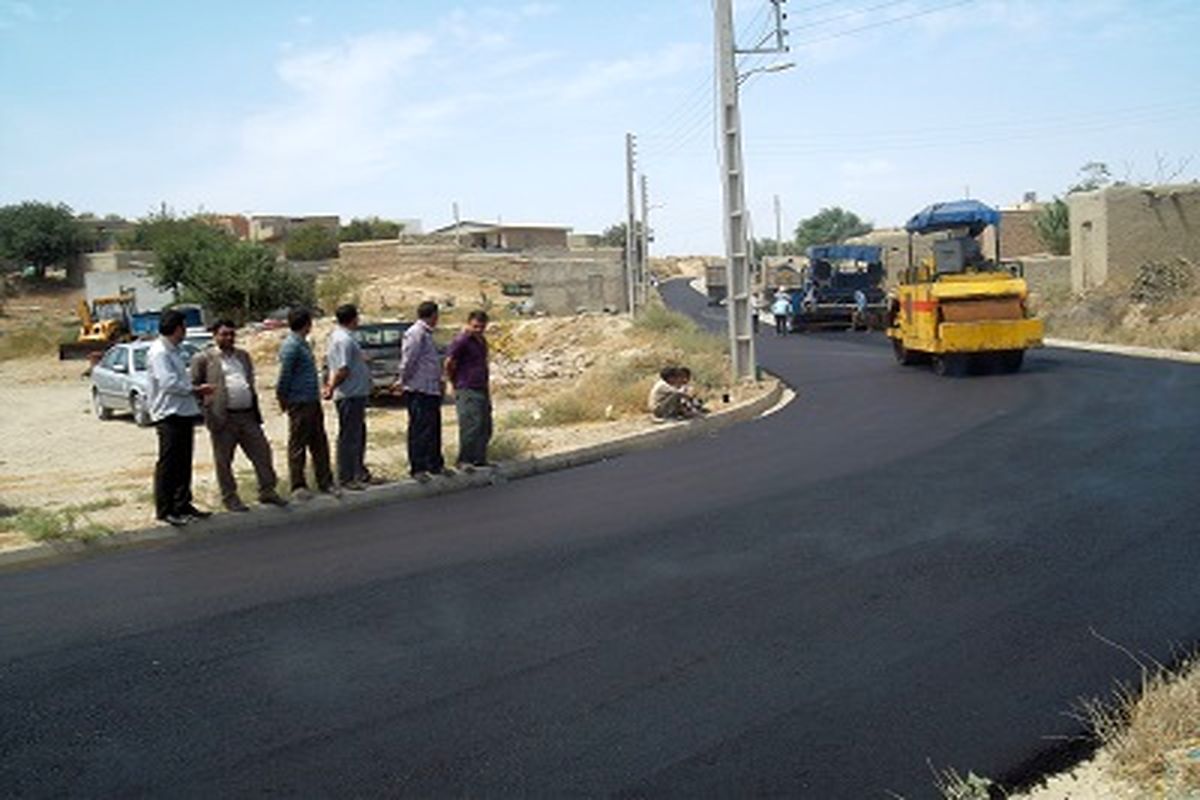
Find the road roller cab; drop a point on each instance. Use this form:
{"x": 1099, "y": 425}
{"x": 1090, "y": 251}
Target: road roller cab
{"x": 959, "y": 308}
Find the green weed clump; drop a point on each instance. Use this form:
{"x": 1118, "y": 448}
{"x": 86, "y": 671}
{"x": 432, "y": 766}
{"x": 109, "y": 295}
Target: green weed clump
{"x": 72, "y": 522}
{"x": 508, "y": 446}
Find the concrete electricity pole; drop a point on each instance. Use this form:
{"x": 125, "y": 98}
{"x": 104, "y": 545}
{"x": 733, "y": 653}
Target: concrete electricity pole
{"x": 778, "y": 228}
{"x": 630, "y": 256}
{"x": 644, "y": 250}
{"x": 733, "y": 182}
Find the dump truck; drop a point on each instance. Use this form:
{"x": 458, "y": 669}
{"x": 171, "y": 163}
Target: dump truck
{"x": 959, "y": 309}
{"x": 842, "y": 287}
{"x": 103, "y": 323}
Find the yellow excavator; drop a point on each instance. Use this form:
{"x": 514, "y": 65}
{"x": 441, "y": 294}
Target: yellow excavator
{"x": 104, "y": 323}
{"x": 958, "y": 309}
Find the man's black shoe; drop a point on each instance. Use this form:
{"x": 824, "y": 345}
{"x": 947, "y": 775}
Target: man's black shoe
{"x": 175, "y": 520}
{"x": 192, "y": 511}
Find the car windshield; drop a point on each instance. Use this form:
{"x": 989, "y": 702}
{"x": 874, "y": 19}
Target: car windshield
{"x": 139, "y": 359}
{"x": 379, "y": 336}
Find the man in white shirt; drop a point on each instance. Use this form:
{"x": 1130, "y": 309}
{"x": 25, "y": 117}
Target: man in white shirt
{"x": 175, "y": 411}
{"x": 233, "y": 417}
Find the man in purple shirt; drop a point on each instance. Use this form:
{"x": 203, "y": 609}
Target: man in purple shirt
{"x": 421, "y": 383}
{"x": 467, "y": 369}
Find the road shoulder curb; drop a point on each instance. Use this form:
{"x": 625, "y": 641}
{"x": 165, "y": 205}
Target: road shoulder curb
{"x": 1132, "y": 351}
{"x": 262, "y": 518}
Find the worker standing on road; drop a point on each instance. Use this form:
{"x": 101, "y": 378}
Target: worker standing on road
{"x": 781, "y": 309}
{"x": 233, "y": 416}
{"x": 299, "y": 395}
{"x": 420, "y": 383}
{"x": 349, "y": 387}
{"x": 467, "y": 370}
{"x": 175, "y": 412}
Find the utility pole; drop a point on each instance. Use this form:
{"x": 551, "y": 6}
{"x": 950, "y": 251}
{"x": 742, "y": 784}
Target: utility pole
{"x": 457, "y": 227}
{"x": 733, "y": 182}
{"x": 644, "y": 250}
{"x": 630, "y": 256}
{"x": 778, "y": 229}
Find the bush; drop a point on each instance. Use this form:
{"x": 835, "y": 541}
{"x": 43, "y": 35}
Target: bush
{"x": 370, "y": 229}
{"x": 311, "y": 242}
{"x": 1160, "y": 283}
{"x": 337, "y": 287}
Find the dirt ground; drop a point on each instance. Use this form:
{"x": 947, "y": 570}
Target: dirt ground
{"x": 56, "y": 456}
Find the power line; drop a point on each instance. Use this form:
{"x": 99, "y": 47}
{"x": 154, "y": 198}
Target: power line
{"x": 881, "y": 23}
{"x": 848, "y": 15}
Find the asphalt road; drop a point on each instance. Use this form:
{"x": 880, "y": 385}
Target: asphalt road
{"x": 896, "y": 570}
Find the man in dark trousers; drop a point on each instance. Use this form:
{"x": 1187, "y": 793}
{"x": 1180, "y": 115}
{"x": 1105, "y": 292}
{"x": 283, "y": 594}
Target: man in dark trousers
{"x": 467, "y": 369}
{"x": 421, "y": 383}
{"x": 175, "y": 410}
{"x": 233, "y": 417}
{"x": 299, "y": 394}
{"x": 349, "y": 387}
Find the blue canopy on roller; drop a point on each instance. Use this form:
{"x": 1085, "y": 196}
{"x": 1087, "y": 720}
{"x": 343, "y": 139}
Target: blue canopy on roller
{"x": 846, "y": 252}
{"x": 970, "y": 214}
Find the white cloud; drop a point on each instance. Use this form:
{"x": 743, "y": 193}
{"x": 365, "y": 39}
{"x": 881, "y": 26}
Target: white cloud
{"x": 539, "y": 9}
{"x": 358, "y": 66}
{"x": 304, "y": 21}
{"x": 604, "y": 76}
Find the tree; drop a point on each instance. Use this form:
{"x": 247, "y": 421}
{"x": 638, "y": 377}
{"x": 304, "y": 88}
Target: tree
{"x": 311, "y": 242}
{"x": 766, "y": 247}
{"x": 829, "y": 226}
{"x": 1053, "y": 227}
{"x": 40, "y": 235}
{"x": 177, "y": 245}
{"x": 613, "y": 236}
{"x": 370, "y": 229}
{"x": 243, "y": 280}
{"x": 1092, "y": 176}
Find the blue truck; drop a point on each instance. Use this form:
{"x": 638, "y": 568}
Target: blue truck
{"x": 841, "y": 287}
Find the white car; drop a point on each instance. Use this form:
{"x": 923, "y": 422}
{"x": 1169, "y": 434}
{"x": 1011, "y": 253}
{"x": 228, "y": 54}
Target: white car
{"x": 119, "y": 381}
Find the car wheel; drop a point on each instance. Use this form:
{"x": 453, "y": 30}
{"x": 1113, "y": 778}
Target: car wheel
{"x": 98, "y": 408}
{"x": 141, "y": 414}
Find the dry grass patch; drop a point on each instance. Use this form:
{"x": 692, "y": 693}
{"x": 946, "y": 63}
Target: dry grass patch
{"x": 1152, "y": 731}
{"x": 1158, "y": 307}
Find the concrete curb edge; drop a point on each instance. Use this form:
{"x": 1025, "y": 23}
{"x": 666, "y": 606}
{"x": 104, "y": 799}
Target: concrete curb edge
{"x": 1132, "y": 351}
{"x": 321, "y": 507}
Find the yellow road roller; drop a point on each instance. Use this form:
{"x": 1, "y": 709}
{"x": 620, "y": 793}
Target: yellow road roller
{"x": 959, "y": 309}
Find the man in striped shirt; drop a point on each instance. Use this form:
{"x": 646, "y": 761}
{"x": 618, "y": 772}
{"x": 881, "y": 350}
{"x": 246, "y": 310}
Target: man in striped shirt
{"x": 421, "y": 383}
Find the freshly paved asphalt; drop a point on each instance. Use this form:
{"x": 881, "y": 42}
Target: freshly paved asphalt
{"x": 896, "y": 570}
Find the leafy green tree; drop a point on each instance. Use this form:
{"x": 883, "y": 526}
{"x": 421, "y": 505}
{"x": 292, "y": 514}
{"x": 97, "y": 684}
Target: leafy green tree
{"x": 311, "y": 242}
{"x": 828, "y": 226}
{"x": 177, "y": 245}
{"x": 40, "y": 235}
{"x": 243, "y": 280}
{"x": 1053, "y": 227}
{"x": 370, "y": 229}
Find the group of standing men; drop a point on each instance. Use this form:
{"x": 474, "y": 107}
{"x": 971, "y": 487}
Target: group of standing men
{"x": 218, "y": 387}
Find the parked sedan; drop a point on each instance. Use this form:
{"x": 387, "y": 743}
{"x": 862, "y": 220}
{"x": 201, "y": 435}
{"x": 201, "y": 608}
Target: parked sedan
{"x": 381, "y": 342}
{"x": 119, "y": 381}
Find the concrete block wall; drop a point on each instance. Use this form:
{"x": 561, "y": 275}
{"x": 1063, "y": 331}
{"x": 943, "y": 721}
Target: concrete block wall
{"x": 1047, "y": 274}
{"x": 1115, "y": 231}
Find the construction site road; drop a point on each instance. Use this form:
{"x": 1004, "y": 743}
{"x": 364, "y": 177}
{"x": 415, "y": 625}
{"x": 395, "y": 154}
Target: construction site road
{"x": 896, "y": 572}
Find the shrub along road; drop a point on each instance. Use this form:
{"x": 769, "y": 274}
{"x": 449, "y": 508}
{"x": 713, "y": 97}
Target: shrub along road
{"x": 894, "y": 568}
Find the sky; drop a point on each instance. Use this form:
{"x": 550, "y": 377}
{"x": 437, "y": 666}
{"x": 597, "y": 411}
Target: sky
{"x": 518, "y": 110}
